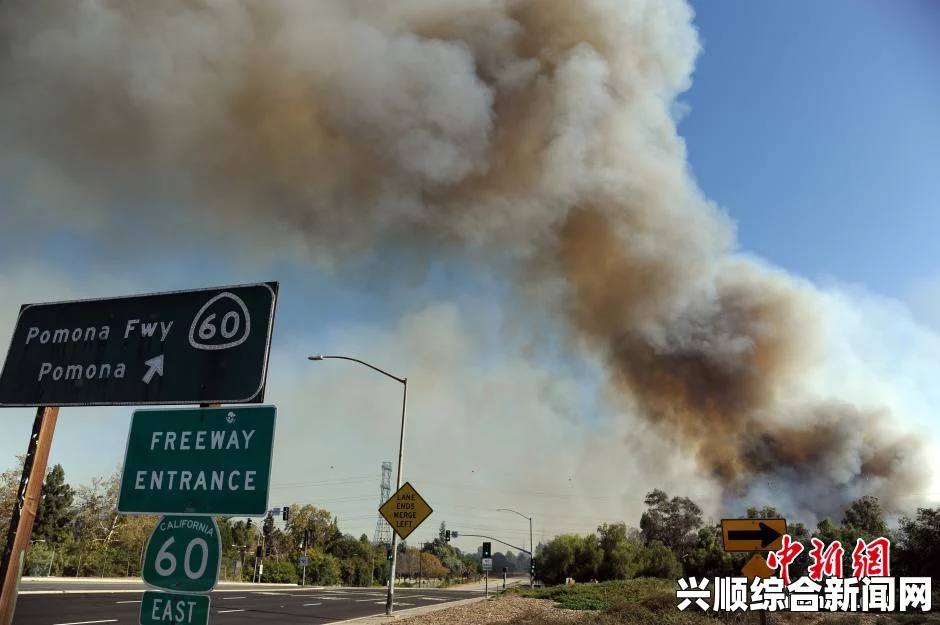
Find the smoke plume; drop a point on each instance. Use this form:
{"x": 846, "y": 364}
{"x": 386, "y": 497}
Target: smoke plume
{"x": 537, "y": 134}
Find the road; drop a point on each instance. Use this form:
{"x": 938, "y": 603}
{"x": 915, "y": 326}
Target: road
{"x": 71, "y": 584}
{"x": 284, "y": 605}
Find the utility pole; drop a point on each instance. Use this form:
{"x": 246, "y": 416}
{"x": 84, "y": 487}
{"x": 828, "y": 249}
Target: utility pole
{"x": 25, "y": 508}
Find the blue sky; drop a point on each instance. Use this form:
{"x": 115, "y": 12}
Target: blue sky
{"x": 815, "y": 124}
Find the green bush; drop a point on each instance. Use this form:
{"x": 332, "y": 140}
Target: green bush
{"x": 581, "y": 603}
{"x": 279, "y": 573}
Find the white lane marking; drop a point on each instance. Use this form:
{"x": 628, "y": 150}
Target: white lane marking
{"x": 227, "y": 598}
{"x": 306, "y": 604}
{"x": 434, "y": 598}
{"x": 227, "y": 611}
{"x": 110, "y": 620}
{"x": 138, "y": 601}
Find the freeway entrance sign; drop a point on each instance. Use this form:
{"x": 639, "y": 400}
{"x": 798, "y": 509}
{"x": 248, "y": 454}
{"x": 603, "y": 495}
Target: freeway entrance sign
{"x": 207, "y": 346}
{"x": 164, "y": 608}
{"x": 198, "y": 461}
{"x": 183, "y": 554}
{"x": 405, "y": 510}
{"x": 739, "y": 535}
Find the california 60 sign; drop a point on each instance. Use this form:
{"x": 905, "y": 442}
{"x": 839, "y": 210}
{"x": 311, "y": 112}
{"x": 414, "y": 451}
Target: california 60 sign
{"x": 184, "y": 347}
{"x": 183, "y": 554}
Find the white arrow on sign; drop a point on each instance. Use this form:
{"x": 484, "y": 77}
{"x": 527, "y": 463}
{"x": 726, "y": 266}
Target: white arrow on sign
{"x": 155, "y": 366}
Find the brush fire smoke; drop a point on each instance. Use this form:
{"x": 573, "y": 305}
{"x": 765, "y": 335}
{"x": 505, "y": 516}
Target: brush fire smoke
{"x": 540, "y": 132}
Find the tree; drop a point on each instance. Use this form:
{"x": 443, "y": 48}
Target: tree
{"x": 431, "y": 567}
{"x": 660, "y": 561}
{"x": 916, "y": 550}
{"x": 709, "y": 558}
{"x": 97, "y": 507}
{"x": 866, "y": 516}
{"x": 557, "y": 558}
{"x": 826, "y": 531}
{"x": 621, "y": 556}
{"x": 323, "y": 570}
{"x": 355, "y": 560}
{"x": 674, "y": 522}
{"x": 9, "y": 483}
{"x": 767, "y": 512}
{"x": 53, "y": 519}
{"x": 319, "y": 522}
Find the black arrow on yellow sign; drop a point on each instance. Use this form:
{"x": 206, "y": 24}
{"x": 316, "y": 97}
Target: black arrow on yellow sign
{"x": 764, "y": 533}
{"x": 742, "y": 535}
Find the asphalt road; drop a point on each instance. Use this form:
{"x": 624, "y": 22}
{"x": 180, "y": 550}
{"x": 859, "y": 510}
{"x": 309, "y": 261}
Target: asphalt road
{"x": 282, "y": 605}
{"x": 71, "y": 584}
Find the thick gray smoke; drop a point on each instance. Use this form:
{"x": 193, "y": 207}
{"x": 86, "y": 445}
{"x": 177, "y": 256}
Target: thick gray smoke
{"x": 541, "y": 132}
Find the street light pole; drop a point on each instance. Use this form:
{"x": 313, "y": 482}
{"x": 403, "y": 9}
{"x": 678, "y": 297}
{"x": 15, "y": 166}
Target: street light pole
{"x": 531, "y": 544}
{"x": 389, "y": 600}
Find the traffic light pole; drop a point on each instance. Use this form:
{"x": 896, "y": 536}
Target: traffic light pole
{"x": 499, "y": 541}
{"x": 531, "y": 544}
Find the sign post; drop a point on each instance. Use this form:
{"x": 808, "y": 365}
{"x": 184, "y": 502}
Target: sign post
{"x": 754, "y": 536}
{"x": 206, "y": 346}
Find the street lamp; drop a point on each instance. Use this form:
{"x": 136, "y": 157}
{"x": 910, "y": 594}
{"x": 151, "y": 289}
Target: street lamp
{"x": 401, "y": 451}
{"x": 531, "y": 544}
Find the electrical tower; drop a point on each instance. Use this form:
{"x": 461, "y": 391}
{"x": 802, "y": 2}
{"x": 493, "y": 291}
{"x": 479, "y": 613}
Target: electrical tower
{"x": 383, "y": 531}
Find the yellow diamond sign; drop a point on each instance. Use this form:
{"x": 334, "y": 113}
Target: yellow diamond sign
{"x": 405, "y": 511}
{"x": 756, "y": 567}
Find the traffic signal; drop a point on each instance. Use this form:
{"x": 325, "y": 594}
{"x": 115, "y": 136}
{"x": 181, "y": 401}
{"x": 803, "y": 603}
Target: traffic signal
{"x": 286, "y": 514}
{"x": 447, "y": 535}
{"x": 258, "y": 551}
{"x": 454, "y": 534}
{"x": 532, "y": 566}
{"x": 306, "y": 538}
{"x": 266, "y": 529}
{"x": 487, "y": 548}
{"x": 268, "y": 548}
{"x": 248, "y": 524}
{"x": 388, "y": 556}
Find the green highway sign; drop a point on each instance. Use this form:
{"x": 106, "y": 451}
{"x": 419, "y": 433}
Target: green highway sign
{"x": 164, "y": 608}
{"x": 206, "y": 346}
{"x": 183, "y": 554}
{"x": 198, "y": 461}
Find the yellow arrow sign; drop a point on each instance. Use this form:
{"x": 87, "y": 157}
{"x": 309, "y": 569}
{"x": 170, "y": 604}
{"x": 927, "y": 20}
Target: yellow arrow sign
{"x": 405, "y": 510}
{"x": 753, "y": 534}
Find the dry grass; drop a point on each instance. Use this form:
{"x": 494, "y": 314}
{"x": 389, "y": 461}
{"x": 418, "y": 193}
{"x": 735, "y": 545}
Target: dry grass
{"x": 633, "y": 602}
